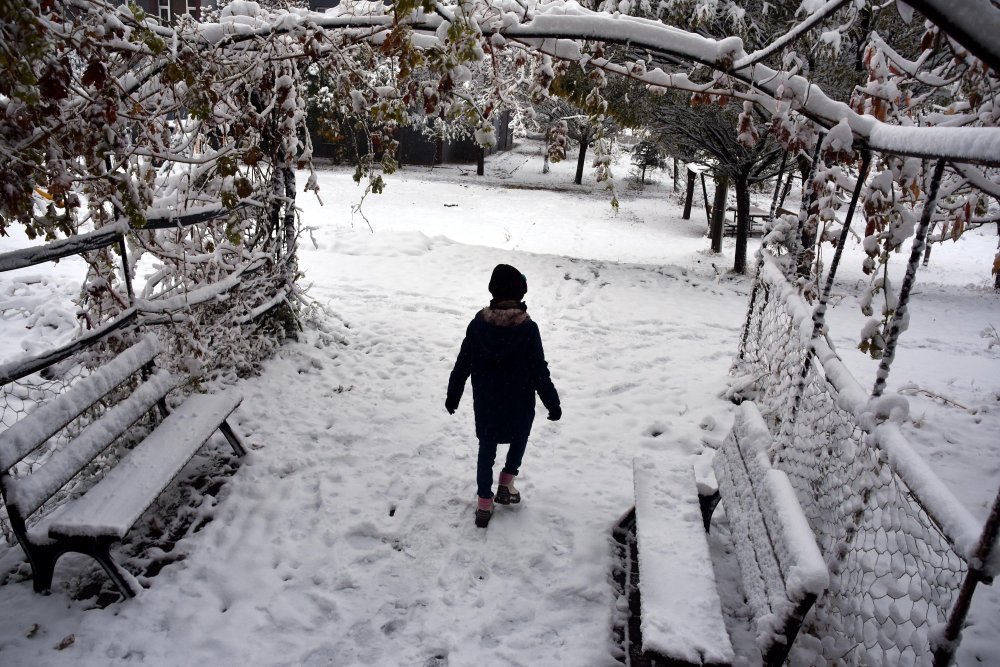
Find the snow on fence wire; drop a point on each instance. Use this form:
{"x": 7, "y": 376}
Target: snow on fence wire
{"x": 261, "y": 284}
{"x": 897, "y": 542}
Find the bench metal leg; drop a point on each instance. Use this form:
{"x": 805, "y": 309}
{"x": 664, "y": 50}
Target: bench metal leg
{"x": 234, "y": 438}
{"x": 708, "y": 504}
{"x": 776, "y": 654}
{"x": 43, "y": 566}
{"x": 103, "y": 556}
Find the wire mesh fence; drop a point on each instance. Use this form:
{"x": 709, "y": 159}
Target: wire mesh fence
{"x": 895, "y": 571}
{"x": 20, "y": 397}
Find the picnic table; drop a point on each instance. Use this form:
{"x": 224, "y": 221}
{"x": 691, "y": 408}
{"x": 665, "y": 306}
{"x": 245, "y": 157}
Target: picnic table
{"x": 757, "y": 216}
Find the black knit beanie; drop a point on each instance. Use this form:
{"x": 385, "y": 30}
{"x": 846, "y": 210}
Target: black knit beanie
{"x": 507, "y": 283}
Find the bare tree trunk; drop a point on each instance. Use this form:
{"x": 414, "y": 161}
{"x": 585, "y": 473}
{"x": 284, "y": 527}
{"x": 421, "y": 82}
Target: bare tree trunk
{"x": 996, "y": 283}
{"x": 777, "y": 185}
{"x": 689, "y": 197}
{"x": 742, "y": 223}
{"x": 719, "y": 210}
{"x": 481, "y": 162}
{"x": 291, "y": 238}
{"x": 809, "y": 232}
{"x": 676, "y": 174}
{"x": 786, "y": 189}
{"x": 282, "y": 215}
{"x": 704, "y": 194}
{"x": 804, "y": 166}
{"x": 581, "y": 159}
{"x": 805, "y": 244}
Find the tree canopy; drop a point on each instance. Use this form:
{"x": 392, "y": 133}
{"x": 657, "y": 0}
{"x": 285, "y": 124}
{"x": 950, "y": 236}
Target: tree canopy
{"x": 119, "y": 119}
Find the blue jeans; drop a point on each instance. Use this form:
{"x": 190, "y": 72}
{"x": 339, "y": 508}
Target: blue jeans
{"x": 487, "y": 456}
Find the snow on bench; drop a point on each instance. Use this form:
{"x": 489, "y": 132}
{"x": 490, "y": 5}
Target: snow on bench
{"x": 782, "y": 570}
{"x": 110, "y": 508}
{"x": 28, "y": 493}
{"x": 668, "y": 576}
{"x": 49, "y": 418}
{"x": 681, "y": 614}
{"x": 103, "y": 515}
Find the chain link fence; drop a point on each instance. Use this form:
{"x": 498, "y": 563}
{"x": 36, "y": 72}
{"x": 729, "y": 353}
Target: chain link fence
{"x": 22, "y": 396}
{"x": 19, "y": 398}
{"x": 895, "y": 570}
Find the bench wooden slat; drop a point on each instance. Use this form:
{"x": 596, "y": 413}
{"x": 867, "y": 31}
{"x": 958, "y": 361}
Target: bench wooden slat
{"x": 29, "y": 433}
{"x": 762, "y": 578}
{"x": 112, "y": 506}
{"x": 28, "y": 493}
{"x": 681, "y": 615}
{"x": 783, "y": 570}
{"x": 804, "y": 570}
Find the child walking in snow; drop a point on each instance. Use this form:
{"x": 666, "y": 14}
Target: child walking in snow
{"x": 502, "y": 351}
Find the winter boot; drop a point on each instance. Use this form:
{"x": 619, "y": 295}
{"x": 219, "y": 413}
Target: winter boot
{"x": 506, "y": 493}
{"x": 484, "y": 512}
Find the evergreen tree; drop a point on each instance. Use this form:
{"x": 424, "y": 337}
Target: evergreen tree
{"x": 647, "y": 155}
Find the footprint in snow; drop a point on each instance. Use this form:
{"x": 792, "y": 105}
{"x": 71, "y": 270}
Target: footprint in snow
{"x": 390, "y": 627}
{"x": 561, "y": 538}
{"x": 656, "y": 429}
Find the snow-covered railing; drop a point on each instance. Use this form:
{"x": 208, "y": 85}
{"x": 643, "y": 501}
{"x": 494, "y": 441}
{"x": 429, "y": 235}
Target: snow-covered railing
{"x": 139, "y": 309}
{"x": 22, "y": 368}
{"x": 898, "y": 542}
{"x": 74, "y": 245}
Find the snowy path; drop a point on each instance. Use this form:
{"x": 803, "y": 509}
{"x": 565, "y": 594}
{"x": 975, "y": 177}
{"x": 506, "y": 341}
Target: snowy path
{"x": 347, "y": 537}
{"x": 411, "y": 577}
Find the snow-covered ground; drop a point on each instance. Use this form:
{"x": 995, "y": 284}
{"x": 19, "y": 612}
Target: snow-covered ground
{"x": 346, "y": 537}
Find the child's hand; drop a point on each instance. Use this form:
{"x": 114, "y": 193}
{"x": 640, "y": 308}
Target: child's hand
{"x": 555, "y": 414}
{"x": 450, "y": 406}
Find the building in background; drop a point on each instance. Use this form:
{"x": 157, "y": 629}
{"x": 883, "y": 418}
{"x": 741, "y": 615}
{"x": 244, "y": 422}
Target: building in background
{"x": 414, "y": 146}
{"x": 168, "y": 10}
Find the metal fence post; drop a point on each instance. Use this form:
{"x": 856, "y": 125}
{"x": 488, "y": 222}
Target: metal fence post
{"x": 898, "y": 317}
{"x": 944, "y": 652}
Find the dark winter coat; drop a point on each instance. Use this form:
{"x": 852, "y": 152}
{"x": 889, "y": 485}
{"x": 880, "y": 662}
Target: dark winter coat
{"x": 503, "y": 352}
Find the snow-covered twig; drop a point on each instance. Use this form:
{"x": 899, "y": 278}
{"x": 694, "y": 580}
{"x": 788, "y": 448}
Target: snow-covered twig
{"x": 914, "y": 389}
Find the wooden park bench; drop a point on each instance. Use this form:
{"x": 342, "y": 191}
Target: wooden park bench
{"x": 91, "y": 523}
{"x": 671, "y": 582}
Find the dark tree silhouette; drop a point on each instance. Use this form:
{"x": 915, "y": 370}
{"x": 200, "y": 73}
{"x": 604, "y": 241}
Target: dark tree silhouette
{"x": 647, "y": 155}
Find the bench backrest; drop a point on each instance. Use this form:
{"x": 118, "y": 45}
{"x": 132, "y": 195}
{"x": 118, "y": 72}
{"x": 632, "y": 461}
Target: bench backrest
{"x": 783, "y": 571}
{"x": 24, "y": 494}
